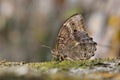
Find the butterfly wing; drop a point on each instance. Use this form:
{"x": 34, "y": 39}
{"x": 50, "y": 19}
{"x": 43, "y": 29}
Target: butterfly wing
{"x": 68, "y": 44}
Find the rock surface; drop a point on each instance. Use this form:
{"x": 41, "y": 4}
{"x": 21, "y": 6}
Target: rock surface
{"x": 99, "y": 69}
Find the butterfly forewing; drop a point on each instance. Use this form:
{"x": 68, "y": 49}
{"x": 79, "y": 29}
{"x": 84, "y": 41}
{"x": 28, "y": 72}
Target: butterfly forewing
{"x": 73, "y": 41}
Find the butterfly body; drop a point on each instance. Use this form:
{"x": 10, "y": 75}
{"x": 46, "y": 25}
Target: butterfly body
{"x": 73, "y": 41}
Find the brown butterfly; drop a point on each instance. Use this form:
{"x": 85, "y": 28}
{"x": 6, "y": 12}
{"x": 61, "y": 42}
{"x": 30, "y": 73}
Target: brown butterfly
{"x": 73, "y": 41}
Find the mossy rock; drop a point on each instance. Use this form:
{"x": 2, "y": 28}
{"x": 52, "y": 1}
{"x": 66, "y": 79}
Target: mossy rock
{"x": 99, "y": 69}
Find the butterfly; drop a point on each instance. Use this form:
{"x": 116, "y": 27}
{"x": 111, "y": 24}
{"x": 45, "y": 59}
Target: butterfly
{"x": 73, "y": 41}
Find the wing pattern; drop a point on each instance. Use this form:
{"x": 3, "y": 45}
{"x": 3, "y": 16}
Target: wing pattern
{"x": 73, "y": 41}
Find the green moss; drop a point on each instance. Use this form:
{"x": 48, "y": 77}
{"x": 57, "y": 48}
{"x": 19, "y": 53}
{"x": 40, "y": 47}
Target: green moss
{"x": 65, "y": 70}
{"x": 66, "y": 65}
{"x": 63, "y": 64}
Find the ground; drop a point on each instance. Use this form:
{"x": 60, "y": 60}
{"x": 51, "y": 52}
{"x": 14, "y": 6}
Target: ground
{"x": 99, "y": 69}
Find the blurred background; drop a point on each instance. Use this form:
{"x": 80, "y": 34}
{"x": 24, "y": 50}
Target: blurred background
{"x": 25, "y": 24}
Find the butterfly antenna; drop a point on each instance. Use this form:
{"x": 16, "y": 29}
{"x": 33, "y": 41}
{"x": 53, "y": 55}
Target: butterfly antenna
{"x": 45, "y": 46}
